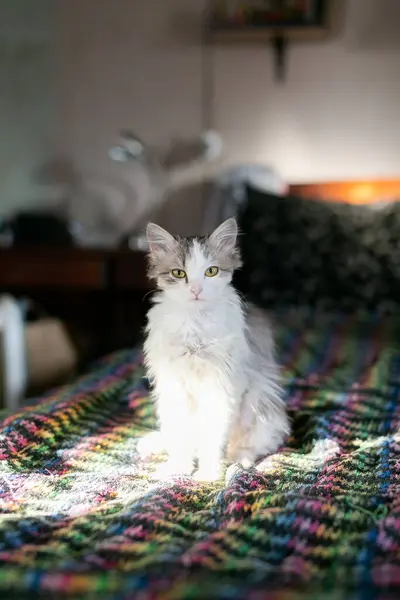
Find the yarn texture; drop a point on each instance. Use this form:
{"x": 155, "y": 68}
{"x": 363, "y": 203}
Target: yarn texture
{"x": 82, "y": 516}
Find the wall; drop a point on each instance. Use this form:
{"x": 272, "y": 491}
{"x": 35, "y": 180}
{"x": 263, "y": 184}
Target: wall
{"x": 27, "y": 99}
{"x": 139, "y": 63}
{"x": 123, "y": 66}
{"x": 337, "y": 116}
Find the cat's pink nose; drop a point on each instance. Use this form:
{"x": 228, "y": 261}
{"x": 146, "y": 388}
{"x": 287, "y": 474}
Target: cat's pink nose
{"x": 195, "y": 290}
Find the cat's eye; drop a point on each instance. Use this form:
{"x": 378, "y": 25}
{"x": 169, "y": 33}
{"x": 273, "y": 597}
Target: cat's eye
{"x": 178, "y": 273}
{"x": 211, "y": 271}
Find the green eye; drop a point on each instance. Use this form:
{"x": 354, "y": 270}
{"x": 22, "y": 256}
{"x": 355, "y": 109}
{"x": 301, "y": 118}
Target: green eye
{"x": 178, "y": 273}
{"x": 211, "y": 271}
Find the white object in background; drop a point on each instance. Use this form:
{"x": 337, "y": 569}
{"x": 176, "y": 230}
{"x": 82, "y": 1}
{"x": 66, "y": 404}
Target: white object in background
{"x": 13, "y": 368}
{"x": 229, "y": 191}
{"x": 130, "y": 147}
{"x": 109, "y": 207}
{"x": 212, "y": 145}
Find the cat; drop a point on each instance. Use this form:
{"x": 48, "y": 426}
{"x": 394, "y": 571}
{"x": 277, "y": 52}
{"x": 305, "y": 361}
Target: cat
{"x": 209, "y": 357}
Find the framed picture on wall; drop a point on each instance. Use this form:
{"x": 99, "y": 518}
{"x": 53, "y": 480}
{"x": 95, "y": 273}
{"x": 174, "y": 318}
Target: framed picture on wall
{"x": 277, "y": 22}
{"x": 290, "y": 16}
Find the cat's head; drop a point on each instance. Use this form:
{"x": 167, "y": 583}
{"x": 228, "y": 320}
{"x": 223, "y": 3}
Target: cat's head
{"x": 193, "y": 270}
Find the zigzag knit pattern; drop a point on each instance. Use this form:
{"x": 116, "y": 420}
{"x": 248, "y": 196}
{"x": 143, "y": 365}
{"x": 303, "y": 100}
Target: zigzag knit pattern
{"x": 82, "y": 517}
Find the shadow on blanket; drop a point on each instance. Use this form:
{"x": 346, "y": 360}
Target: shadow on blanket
{"x": 80, "y": 514}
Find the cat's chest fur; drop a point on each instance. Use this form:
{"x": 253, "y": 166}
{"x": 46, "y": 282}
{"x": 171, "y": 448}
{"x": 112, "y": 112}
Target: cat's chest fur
{"x": 192, "y": 337}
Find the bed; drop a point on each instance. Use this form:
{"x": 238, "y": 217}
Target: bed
{"x": 81, "y": 515}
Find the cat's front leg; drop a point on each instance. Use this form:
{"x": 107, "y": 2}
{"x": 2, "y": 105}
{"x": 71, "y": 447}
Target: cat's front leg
{"x": 176, "y": 430}
{"x": 212, "y": 420}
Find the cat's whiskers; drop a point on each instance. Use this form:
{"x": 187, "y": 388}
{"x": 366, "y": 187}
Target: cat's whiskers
{"x": 148, "y": 293}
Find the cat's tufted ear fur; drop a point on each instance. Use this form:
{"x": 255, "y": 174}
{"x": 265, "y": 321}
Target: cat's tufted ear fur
{"x": 159, "y": 239}
{"x": 223, "y": 242}
{"x": 225, "y": 236}
{"x": 163, "y": 252}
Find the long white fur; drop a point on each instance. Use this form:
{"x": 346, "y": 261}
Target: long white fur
{"x": 212, "y": 365}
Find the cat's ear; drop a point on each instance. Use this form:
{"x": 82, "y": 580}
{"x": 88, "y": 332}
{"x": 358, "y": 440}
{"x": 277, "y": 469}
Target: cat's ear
{"x": 225, "y": 236}
{"x": 159, "y": 240}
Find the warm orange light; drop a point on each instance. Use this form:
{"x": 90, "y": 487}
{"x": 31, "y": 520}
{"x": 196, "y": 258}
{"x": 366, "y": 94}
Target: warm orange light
{"x": 353, "y": 192}
{"x": 362, "y": 194}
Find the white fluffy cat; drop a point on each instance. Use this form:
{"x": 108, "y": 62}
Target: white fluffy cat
{"x": 210, "y": 359}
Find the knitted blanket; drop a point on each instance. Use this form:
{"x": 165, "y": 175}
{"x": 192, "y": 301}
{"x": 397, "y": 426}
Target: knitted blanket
{"x": 81, "y": 515}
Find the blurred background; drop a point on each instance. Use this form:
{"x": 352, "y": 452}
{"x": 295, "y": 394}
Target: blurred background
{"x": 113, "y": 113}
{"x": 75, "y": 73}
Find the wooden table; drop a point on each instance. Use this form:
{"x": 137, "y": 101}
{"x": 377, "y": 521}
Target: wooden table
{"x": 99, "y": 293}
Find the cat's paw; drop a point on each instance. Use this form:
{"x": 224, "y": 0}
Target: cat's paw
{"x": 172, "y": 469}
{"x": 245, "y": 461}
{"x": 208, "y": 473}
{"x": 150, "y": 444}
{"x": 241, "y": 456}
{"x": 232, "y": 472}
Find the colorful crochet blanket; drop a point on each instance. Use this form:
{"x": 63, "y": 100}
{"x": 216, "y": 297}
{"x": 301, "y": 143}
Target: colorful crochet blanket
{"x": 81, "y": 516}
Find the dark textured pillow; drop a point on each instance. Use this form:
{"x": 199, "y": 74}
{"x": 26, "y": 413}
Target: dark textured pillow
{"x": 334, "y": 255}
